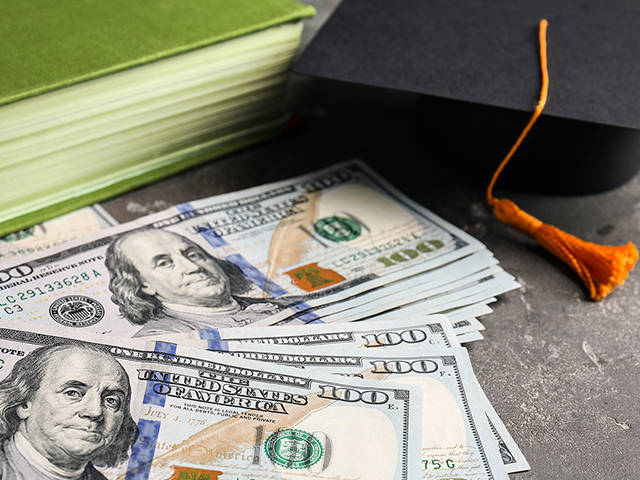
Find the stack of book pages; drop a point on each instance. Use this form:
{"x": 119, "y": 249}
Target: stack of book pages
{"x": 97, "y": 98}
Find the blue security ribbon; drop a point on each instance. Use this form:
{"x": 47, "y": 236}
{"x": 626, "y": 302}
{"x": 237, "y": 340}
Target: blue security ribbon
{"x": 145, "y": 446}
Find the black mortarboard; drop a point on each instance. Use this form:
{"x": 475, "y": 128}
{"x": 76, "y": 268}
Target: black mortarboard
{"x": 477, "y": 64}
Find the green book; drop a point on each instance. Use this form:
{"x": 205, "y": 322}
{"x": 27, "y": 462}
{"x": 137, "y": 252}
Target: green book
{"x": 100, "y": 97}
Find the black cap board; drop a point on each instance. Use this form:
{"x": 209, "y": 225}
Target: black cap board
{"x": 477, "y": 64}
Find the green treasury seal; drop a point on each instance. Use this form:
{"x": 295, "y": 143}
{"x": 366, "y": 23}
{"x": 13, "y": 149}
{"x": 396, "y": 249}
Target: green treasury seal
{"x": 291, "y": 448}
{"x": 338, "y": 229}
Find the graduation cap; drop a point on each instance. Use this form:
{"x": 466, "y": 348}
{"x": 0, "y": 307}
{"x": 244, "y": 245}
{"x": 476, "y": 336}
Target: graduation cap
{"x": 474, "y": 62}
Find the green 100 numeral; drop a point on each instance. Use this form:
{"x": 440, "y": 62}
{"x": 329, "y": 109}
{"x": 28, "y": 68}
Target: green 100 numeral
{"x": 437, "y": 464}
{"x": 408, "y": 254}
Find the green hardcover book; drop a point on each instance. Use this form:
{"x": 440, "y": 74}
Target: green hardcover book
{"x": 100, "y": 97}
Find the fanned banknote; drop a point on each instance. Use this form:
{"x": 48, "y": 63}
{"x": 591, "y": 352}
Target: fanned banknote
{"x": 102, "y": 407}
{"x": 460, "y": 312}
{"x": 441, "y": 281}
{"x": 457, "y": 441}
{"x": 403, "y": 336}
{"x": 456, "y": 293}
{"x": 431, "y": 330}
{"x": 259, "y": 256}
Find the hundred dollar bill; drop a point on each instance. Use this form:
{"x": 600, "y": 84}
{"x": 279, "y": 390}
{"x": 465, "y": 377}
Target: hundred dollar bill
{"x": 258, "y": 256}
{"x": 461, "y": 319}
{"x": 457, "y": 294}
{"x": 55, "y": 232}
{"x": 402, "y": 336}
{"x": 476, "y": 295}
{"x": 432, "y": 330}
{"x": 470, "y": 337}
{"x": 473, "y": 268}
{"x": 457, "y": 441}
{"x": 457, "y": 311}
{"x": 103, "y": 407}
{"x": 493, "y": 281}
{"x": 477, "y": 310}
{"x": 435, "y": 306}
{"x": 467, "y": 325}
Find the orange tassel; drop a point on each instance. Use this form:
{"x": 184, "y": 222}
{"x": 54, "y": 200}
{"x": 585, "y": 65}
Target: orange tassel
{"x": 601, "y": 268}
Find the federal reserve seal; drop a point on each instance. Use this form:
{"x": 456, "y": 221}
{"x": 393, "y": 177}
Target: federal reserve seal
{"x": 76, "y": 311}
{"x": 292, "y": 448}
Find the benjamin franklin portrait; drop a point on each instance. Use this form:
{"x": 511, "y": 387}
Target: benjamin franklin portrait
{"x": 65, "y": 409}
{"x": 167, "y": 283}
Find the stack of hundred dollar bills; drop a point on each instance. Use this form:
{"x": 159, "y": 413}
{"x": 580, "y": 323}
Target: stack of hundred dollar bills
{"x": 335, "y": 273}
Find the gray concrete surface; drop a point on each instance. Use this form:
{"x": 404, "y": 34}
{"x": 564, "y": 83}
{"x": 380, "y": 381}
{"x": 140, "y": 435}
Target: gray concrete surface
{"x": 561, "y": 370}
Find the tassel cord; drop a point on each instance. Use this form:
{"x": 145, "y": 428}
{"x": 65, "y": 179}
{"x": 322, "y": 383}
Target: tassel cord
{"x": 544, "y": 90}
{"x": 601, "y": 268}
